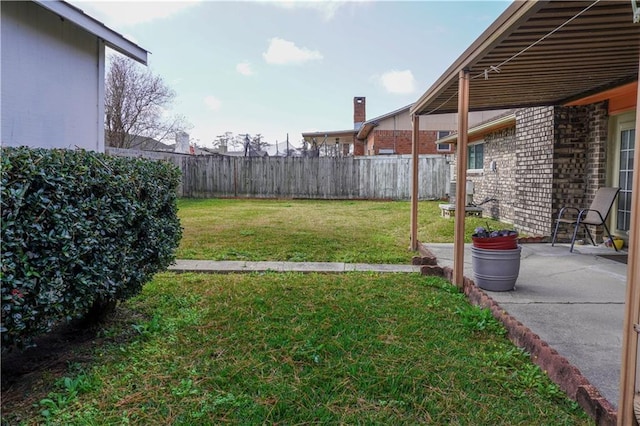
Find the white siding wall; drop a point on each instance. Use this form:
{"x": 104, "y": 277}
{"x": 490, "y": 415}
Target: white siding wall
{"x": 52, "y": 80}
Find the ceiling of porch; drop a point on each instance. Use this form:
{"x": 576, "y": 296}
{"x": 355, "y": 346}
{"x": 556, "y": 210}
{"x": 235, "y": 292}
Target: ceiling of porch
{"x": 543, "y": 53}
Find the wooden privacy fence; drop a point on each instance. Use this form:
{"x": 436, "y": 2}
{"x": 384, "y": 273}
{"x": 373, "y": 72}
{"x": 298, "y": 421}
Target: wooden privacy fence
{"x": 374, "y": 177}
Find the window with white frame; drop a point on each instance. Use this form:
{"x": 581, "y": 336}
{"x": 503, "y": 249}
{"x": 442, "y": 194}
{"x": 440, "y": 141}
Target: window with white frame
{"x": 475, "y": 156}
{"x": 627, "y": 149}
{"x": 443, "y": 146}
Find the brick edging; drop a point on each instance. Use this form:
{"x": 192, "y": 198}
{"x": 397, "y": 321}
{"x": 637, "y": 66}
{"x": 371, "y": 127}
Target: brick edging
{"x": 557, "y": 367}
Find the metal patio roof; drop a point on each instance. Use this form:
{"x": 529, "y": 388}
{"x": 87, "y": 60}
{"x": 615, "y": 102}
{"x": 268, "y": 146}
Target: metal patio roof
{"x": 543, "y": 53}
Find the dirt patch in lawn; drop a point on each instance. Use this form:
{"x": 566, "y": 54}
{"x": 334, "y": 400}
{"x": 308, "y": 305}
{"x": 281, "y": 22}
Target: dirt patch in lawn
{"x": 28, "y": 375}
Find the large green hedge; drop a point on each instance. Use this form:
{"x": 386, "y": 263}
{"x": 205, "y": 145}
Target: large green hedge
{"x": 79, "y": 230}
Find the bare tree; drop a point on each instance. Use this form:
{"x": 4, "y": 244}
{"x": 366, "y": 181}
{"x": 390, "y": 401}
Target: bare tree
{"x": 226, "y": 140}
{"x": 251, "y": 143}
{"x": 257, "y": 142}
{"x": 134, "y": 104}
{"x": 248, "y": 142}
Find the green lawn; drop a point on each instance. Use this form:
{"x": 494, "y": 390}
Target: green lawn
{"x": 291, "y": 348}
{"x": 310, "y": 231}
{"x": 306, "y": 349}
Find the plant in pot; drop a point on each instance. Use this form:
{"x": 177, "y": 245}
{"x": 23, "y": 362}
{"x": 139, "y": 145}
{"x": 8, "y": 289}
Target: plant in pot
{"x": 495, "y": 257}
{"x": 504, "y": 239}
{"x": 617, "y": 241}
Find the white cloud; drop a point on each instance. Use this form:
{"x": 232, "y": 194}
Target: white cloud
{"x": 286, "y": 52}
{"x": 213, "y": 103}
{"x": 398, "y": 82}
{"x": 327, "y": 9}
{"x": 244, "y": 68}
{"x": 119, "y": 13}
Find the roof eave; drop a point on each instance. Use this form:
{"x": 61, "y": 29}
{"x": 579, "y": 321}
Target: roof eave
{"x": 389, "y": 114}
{"x": 328, "y": 133}
{"x": 113, "y": 39}
{"x": 366, "y": 128}
{"x": 483, "y": 129}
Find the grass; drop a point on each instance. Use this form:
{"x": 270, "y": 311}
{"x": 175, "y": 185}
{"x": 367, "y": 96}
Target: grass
{"x": 353, "y": 348}
{"x": 307, "y": 349}
{"x": 311, "y": 231}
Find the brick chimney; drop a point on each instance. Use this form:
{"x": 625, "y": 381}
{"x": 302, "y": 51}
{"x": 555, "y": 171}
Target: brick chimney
{"x": 359, "y": 117}
{"x": 359, "y": 113}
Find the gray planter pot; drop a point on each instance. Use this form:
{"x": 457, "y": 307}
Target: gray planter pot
{"x": 496, "y": 270}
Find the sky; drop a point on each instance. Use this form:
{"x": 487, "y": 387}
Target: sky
{"x": 278, "y": 68}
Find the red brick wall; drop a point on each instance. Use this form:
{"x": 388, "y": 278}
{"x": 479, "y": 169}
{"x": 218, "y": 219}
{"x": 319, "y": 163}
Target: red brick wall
{"x": 358, "y": 146}
{"x": 400, "y": 142}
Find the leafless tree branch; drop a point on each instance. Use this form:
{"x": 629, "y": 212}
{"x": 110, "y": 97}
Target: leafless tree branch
{"x": 135, "y": 100}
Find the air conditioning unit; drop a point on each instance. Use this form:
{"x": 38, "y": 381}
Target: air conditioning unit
{"x": 452, "y": 192}
{"x": 469, "y": 189}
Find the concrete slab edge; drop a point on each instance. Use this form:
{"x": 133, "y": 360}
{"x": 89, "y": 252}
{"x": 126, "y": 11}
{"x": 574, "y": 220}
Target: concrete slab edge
{"x": 560, "y": 371}
{"x": 204, "y": 266}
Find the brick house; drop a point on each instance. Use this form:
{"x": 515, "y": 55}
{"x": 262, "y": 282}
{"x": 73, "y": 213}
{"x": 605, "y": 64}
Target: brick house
{"x": 569, "y": 71}
{"x": 390, "y": 133}
{"x": 529, "y": 163}
{"x": 568, "y": 132}
{"x": 569, "y": 129}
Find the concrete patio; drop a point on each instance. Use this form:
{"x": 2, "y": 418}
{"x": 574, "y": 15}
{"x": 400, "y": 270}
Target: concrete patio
{"x": 572, "y": 301}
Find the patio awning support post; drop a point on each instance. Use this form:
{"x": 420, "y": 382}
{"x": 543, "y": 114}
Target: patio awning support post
{"x": 461, "y": 177}
{"x": 629, "y": 379}
{"x": 414, "y": 180}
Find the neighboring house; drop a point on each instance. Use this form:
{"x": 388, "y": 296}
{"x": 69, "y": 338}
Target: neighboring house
{"x": 336, "y": 143}
{"x": 53, "y": 65}
{"x": 392, "y": 133}
{"x": 388, "y": 134}
{"x": 144, "y": 143}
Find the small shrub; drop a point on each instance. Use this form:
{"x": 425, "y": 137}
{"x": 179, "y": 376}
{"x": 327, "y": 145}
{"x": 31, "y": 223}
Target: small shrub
{"x": 79, "y": 230}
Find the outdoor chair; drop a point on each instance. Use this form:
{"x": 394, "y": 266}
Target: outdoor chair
{"x": 595, "y": 215}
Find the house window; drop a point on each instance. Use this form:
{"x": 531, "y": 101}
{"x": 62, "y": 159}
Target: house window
{"x": 446, "y": 147}
{"x": 475, "y": 156}
{"x": 627, "y": 139}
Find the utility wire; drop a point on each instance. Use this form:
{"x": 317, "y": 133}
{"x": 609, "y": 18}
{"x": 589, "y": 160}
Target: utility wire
{"x": 496, "y": 69}
{"x": 541, "y": 39}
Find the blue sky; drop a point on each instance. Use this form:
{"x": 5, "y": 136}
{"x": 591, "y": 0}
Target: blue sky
{"x": 290, "y": 67}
